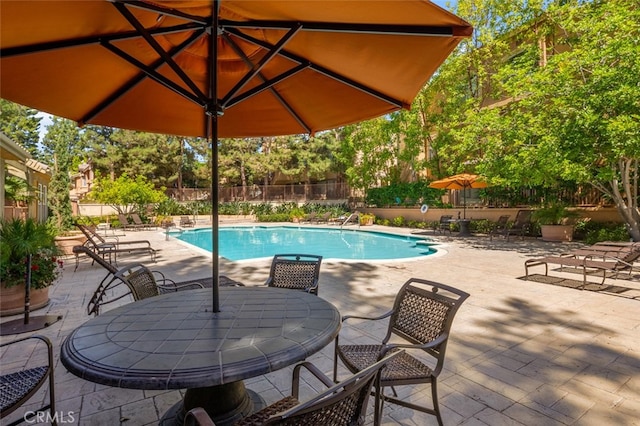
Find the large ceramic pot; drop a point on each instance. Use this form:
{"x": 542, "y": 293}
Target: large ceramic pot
{"x": 556, "y": 233}
{"x": 66, "y": 243}
{"x": 12, "y": 299}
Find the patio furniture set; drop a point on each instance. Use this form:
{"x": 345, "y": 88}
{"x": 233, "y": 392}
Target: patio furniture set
{"x": 231, "y": 345}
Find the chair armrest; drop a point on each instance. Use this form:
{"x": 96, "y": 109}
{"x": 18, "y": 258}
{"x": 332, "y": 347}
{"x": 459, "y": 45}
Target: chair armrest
{"x": 198, "y": 417}
{"x": 295, "y": 382}
{"x": 383, "y": 316}
{"x": 432, "y": 344}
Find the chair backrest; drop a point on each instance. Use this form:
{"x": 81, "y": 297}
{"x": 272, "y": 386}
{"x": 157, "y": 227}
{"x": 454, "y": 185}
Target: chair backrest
{"x": 140, "y": 281}
{"x": 91, "y": 235}
{"x": 342, "y": 404}
{"x": 631, "y": 256}
{"x": 523, "y": 218}
{"x": 123, "y": 220}
{"x": 502, "y": 221}
{"x": 444, "y": 219}
{"x": 136, "y": 219}
{"x": 423, "y": 313}
{"x": 295, "y": 271}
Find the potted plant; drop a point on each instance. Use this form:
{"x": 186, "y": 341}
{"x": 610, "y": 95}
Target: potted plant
{"x": 296, "y": 214}
{"x": 367, "y": 219}
{"x": 18, "y": 239}
{"x": 555, "y": 222}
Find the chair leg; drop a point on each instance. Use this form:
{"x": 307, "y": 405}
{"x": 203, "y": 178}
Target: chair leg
{"x": 434, "y": 395}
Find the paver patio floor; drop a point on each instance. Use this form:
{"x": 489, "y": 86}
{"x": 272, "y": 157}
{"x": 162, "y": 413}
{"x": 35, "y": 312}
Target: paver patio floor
{"x": 537, "y": 352}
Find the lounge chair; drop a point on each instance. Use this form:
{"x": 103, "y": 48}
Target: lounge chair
{"x": 101, "y": 246}
{"x": 343, "y": 403}
{"x": 110, "y": 281}
{"x": 142, "y": 225}
{"x": 590, "y": 263}
{"x": 185, "y": 222}
{"x": 322, "y": 219}
{"x": 295, "y": 271}
{"x": 124, "y": 223}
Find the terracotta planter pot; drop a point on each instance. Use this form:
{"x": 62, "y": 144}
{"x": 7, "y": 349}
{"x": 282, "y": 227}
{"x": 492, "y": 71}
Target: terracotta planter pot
{"x": 12, "y": 299}
{"x": 556, "y": 233}
{"x": 66, "y": 243}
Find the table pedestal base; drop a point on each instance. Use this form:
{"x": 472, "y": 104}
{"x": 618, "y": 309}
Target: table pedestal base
{"x": 225, "y": 404}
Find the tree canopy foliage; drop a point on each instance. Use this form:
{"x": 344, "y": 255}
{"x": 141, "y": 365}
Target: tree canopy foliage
{"x": 125, "y": 194}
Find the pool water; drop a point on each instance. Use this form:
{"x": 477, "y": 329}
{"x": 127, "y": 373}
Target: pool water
{"x": 241, "y": 243}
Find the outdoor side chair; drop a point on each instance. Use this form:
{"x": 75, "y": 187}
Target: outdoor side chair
{"x": 18, "y": 385}
{"x": 444, "y": 224}
{"x": 421, "y": 318}
{"x": 295, "y": 271}
{"x": 521, "y": 225}
{"x": 500, "y": 227}
{"x": 344, "y": 403}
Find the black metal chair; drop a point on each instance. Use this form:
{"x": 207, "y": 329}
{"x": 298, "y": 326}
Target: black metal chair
{"x": 344, "y": 403}
{"x": 521, "y": 225}
{"x": 295, "y": 271}
{"x": 500, "y": 227}
{"x": 144, "y": 283}
{"x": 17, "y": 386}
{"x": 106, "y": 248}
{"x": 444, "y": 224}
{"x": 421, "y": 317}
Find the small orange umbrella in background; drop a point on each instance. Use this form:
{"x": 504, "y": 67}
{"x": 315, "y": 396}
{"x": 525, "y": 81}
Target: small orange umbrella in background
{"x": 461, "y": 181}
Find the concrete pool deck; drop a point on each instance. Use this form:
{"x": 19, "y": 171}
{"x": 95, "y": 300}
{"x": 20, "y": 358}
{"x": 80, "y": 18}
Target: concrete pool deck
{"x": 536, "y": 352}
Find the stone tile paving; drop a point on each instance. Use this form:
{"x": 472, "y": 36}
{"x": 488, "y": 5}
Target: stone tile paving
{"x": 521, "y": 352}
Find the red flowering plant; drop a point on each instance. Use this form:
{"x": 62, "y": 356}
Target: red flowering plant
{"x": 21, "y": 238}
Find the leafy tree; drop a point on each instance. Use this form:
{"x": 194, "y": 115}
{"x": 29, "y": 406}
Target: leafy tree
{"x": 125, "y": 194}
{"x": 21, "y": 125}
{"x": 60, "y": 145}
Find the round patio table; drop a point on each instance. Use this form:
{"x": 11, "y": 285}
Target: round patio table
{"x": 174, "y": 341}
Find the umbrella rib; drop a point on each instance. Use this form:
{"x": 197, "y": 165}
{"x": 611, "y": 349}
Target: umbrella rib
{"x": 83, "y": 41}
{"x": 126, "y": 13}
{"x": 266, "y": 85}
{"x": 159, "y": 78}
{"x": 320, "y": 69}
{"x": 137, "y": 79}
{"x": 165, "y": 11}
{"x": 383, "y": 29}
{"x": 273, "y": 91}
{"x": 255, "y": 69}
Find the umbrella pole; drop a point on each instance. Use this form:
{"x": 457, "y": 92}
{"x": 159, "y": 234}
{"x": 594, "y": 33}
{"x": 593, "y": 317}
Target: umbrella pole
{"x": 213, "y": 127}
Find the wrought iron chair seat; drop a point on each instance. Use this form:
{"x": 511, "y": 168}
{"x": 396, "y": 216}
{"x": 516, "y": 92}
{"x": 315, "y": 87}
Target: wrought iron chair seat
{"x": 17, "y": 387}
{"x": 295, "y": 271}
{"x": 421, "y": 319}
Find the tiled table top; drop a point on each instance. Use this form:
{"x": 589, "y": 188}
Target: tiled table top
{"x": 174, "y": 341}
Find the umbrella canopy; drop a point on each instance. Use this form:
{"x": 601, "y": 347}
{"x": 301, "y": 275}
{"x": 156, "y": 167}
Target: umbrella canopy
{"x": 461, "y": 181}
{"x": 283, "y": 67}
{"x": 228, "y": 68}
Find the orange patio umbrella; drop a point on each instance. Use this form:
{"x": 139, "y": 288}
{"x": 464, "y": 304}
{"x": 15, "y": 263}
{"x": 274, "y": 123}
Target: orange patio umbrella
{"x": 461, "y": 181}
{"x": 222, "y": 68}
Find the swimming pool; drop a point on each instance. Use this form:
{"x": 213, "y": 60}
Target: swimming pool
{"x": 241, "y": 243}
